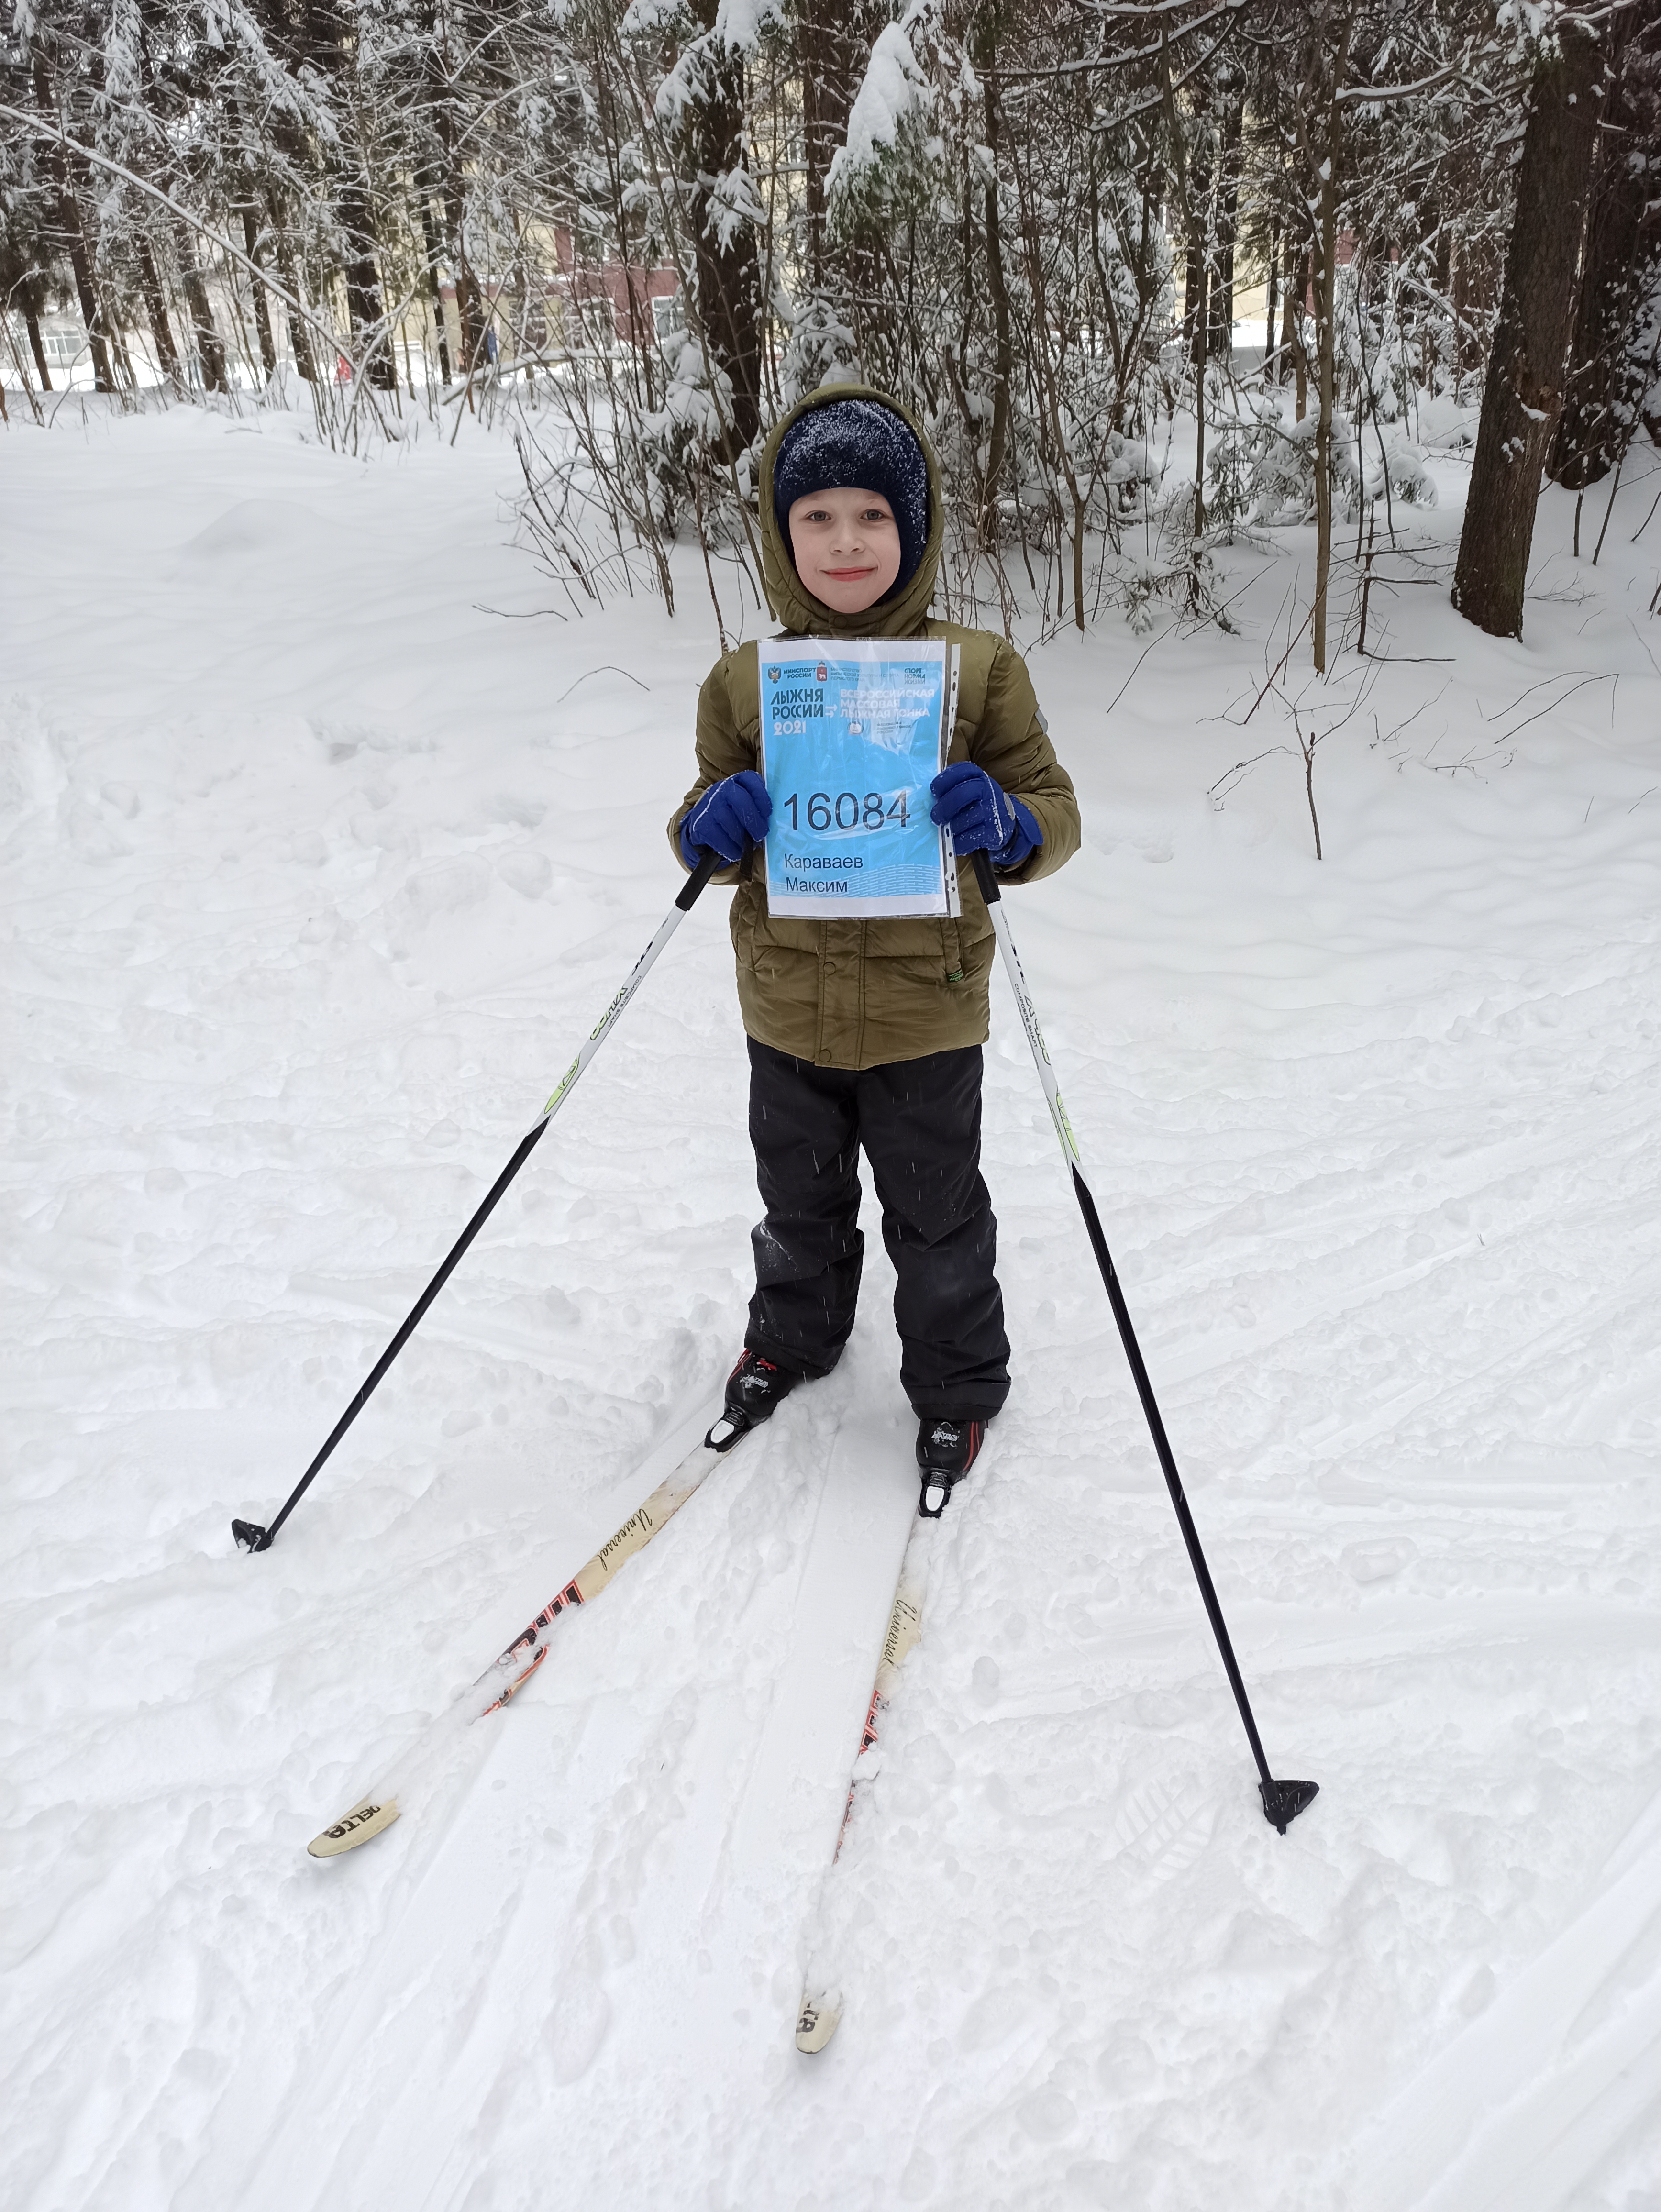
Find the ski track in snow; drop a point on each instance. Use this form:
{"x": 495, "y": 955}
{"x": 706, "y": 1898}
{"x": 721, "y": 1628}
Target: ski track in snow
{"x": 317, "y": 871}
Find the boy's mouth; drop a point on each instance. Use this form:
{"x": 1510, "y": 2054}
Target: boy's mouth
{"x": 849, "y": 575}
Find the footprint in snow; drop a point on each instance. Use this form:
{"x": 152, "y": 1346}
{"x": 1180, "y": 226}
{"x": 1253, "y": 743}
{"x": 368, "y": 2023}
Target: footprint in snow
{"x": 1161, "y": 1830}
{"x": 577, "y": 2027}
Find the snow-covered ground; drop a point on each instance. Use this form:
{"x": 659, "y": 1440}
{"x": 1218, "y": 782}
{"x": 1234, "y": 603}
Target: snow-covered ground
{"x": 317, "y": 865}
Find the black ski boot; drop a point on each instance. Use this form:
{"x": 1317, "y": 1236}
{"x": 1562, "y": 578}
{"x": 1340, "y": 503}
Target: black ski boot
{"x": 755, "y": 1390}
{"x": 946, "y": 1449}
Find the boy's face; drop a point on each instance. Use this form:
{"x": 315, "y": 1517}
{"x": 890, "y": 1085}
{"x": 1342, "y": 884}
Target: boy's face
{"x": 847, "y": 547}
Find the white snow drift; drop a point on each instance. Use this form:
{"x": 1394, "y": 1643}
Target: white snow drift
{"x": 318, "y": 865}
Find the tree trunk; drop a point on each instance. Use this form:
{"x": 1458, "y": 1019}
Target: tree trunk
{"x": 1105, "y": 289}
{"x": 1326, "y": 293}
{"x": 37, "y": 344}
{"x": 833, "y": 44}
{"x": 299, "y": 338}
{"x": 1608, "y": 373}
{"x": 1271, "y": 361}
{"x": 1197, "y": 275}
{"x": 155, "y": 308}
{"x": 726, "y": 277}
{"x": 210, "y": 350}
{"x": 329, "y": 32}
{"x": 446, "y": 183}
{"x": 1201, "y": 333}
{"x": 1003, "y": 343}
{"x": 73, "y": 237}
{"x": 469, "y": 305}
{"x": 1430, "y": 352}
{"x": 1292, "y": 354}
{"x": 430, "y": 240}
{"x": 262, "y": 313}
{"x": 92, "y": 313}
{"x": 1221, "y": 344}
{"x": 1460, "y": 298}
{"x": 1523, "y": 389}
{"x": 1295, "y": 337}
{"x": 1193, "y": 285}
{"x": 122, "y": 358}
{"x": 372, "y": 349}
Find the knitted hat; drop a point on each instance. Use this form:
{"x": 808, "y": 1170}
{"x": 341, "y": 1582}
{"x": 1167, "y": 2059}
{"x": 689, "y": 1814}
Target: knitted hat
{"x": 862, "y": 446}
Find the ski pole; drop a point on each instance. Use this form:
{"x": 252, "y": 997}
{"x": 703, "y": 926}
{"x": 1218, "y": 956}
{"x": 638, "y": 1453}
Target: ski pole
{"x": 249, "y": 1535}
{"x": 1283, "y": 1800}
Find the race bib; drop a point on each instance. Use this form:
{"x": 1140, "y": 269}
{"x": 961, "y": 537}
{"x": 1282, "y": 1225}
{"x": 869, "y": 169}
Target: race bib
{"x": 853, "y": 733}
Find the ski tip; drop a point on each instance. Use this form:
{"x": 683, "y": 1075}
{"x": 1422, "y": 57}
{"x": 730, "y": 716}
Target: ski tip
{"x": 817, "y": 2022}
{"x": 365, "y": 1819}
{"x": 1284, "y": 1801}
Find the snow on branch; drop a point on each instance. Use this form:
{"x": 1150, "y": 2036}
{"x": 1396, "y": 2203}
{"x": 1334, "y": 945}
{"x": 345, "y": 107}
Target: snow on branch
{"x": 891, "y": 113}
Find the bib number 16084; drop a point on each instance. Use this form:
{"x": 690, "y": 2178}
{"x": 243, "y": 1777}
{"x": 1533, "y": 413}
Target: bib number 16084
{"x": 847, "y": 809}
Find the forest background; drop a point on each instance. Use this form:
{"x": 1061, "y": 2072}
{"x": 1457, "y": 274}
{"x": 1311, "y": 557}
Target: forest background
{"x": 643, "y": 229}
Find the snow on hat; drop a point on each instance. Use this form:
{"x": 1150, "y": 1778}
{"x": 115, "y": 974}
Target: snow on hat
{"x": 859, "y": 445}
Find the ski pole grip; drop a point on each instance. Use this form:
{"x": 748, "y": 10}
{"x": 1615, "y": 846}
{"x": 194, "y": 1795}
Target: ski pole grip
{"x": 984, "y": 877}
{"x": 709, "y": 861}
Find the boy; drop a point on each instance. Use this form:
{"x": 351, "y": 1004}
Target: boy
{"x": 870, "y": 1032}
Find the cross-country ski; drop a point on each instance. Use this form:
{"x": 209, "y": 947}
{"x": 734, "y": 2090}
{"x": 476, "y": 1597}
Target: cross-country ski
{"x": 819, "y": 2014}
{"x": 514, "y": 1666}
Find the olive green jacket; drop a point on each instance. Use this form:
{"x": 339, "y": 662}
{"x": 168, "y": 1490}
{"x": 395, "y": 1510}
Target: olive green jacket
{"x": 856, "y": 994}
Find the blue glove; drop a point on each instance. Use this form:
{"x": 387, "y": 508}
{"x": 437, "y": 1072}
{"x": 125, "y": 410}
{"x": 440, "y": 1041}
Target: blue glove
{"x": 982, "y": 817}
{"x": 729, "y": 812}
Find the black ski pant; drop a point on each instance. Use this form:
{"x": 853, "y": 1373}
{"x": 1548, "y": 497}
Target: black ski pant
{"x": 920, "y": 1123}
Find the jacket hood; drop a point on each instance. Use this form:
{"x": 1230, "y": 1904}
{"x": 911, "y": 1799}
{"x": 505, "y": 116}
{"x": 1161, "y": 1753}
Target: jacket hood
{"x": 792, "y": 604}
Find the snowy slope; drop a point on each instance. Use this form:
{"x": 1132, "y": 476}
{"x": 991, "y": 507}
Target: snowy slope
{"x": 317, "y": 869}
